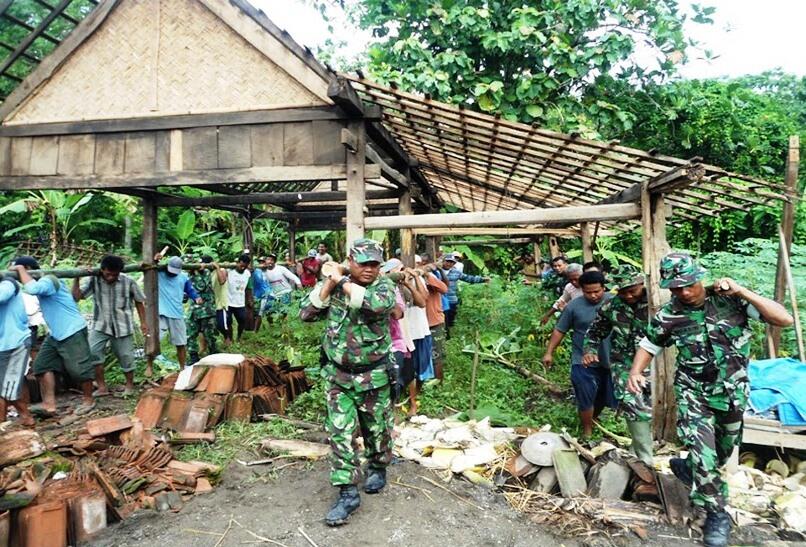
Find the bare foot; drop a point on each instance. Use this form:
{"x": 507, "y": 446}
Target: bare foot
{"x": 27, "y": 421}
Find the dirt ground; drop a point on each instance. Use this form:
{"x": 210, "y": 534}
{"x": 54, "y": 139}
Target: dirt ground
{"x": 277, "y": 506}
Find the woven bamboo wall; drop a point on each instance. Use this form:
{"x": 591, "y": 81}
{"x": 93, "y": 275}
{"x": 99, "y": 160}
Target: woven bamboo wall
{"x": 153, "y": 57}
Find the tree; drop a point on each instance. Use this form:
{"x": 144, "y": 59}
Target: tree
{"x": 529, "y": 61}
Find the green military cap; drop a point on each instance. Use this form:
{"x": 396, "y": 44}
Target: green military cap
{"x": 366, "y": 250}
{"x": 679, "y": 270}
{"x": 625, "y": 276}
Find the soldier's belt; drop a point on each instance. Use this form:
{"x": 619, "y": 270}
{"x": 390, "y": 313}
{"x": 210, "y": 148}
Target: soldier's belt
{"x": 359, "y": 368}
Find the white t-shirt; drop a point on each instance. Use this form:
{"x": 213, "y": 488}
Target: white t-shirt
{"x": 281, "y": 280}
{"x": 236, "y": 287}
{"x": 460, "y": 266}
{"x": 33, "y": 310}
{"x": 417, "y": 319}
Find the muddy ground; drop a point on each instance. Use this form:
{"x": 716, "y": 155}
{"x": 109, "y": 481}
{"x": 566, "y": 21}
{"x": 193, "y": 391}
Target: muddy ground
{"x": 276, "y": 506}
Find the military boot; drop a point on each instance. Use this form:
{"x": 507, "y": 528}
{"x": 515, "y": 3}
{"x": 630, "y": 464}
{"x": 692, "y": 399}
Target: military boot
{"x": 716, "y": 531}
{"x": 376, "y": 480}
{"x": 681, "y": 470}
{"x": 641, "y": 433}
{"x": 348, "y": 501}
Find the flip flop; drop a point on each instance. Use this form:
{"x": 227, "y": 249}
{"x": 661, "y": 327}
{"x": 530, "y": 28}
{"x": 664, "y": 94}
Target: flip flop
{"x": 41, "y": 412}
{"x": 98, "y": 393}
{"x": 84, "y": 408}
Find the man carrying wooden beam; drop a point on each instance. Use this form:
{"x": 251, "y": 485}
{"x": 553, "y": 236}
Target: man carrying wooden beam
{"x": 710, "y": 329}
{"x": 357, "y": 345}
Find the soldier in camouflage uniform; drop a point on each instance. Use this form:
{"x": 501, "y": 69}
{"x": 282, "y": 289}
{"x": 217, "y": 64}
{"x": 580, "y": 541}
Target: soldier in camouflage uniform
{"x": 710, "y": 329}
{"x": 201, "y": 319}
{"x": 625, "y": 316}
{"x": 357, "y": 345}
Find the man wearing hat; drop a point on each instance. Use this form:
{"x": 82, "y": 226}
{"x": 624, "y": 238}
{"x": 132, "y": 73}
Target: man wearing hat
{"x": 173, "y": 285}
{"x": 711, "y": 331}
{"x": 453, "y": 275}
{"x": 624, "y": 318}
{"x": 65, "y": 350}
{"x": 309, "y": 269}
{"x": 357, "y": 345}
{"x": 15, "y": 348}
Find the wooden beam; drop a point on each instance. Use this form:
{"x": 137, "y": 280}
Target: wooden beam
{"x": 181, "y": 121}
{"x": 407, "y": 238}
{"x": 390, "y": 173}
{"x": 432, "y": 246}
{"x": 151, "y": 290}
{"x": 274, "y": 198}
{"x": 554, "y": 247}
{"x": 341, "y": 92}
{"x": 498, "y": 231}
{"x": 788, "y": 227}
{"x": 654, "y": 247}
{"x": 507, "y": 241}
{"x": 624, "y": 211}
{"x": 206, "y": 177}
{"x": 54, "y": 60}
{"x": 33, "y": 35}
{"x": 356, "y": 185}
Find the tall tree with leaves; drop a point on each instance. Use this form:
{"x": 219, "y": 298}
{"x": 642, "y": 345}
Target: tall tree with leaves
{"x": 529, "y": 61}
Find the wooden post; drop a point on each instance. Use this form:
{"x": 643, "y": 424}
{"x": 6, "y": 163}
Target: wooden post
{"x": 587, "y": 244}
{"x": 536, "y": 252}
{"x": 655, "y": 246}
{"x": 788, "y": 227}
{"x": 248, "y": 235}
{"x": 152, "y": 342}
{"x": 292, "y": 243}
{"x": 356, "y": 190}
{"x": 406, "y": 234}
{"x": 432, "y": 246}
{"x": 554, "y": 247}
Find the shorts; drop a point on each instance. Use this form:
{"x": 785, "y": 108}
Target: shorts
{"x": 421, "y": 356}
{"x": 438, "y": 342}
{"x": 13, "y": 365}
{"x": 263, "y": 305}
{"x": 593, "y": 387}
{"x": 70, "y": 356}
{"x": 176, "y": 329}
{"x": 406, "y": 374}
{"x": 122, "y": 347}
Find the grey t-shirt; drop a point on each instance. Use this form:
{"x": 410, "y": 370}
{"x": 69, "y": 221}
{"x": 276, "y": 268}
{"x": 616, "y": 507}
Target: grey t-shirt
{"x": 578, "y": 315}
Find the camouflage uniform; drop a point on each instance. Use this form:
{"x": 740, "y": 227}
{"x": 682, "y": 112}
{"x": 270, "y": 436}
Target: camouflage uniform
{"x": 201, "y": 319}
{"x": 711, "y": 383}
{"x": 357, "y": 346}
{"x": 628, "y": 326}
{"x": 554, "y": 283}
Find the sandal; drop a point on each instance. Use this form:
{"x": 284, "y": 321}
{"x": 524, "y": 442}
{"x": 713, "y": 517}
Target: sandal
{"x": 42, "y": 412}
{"x": 84, "y": 408}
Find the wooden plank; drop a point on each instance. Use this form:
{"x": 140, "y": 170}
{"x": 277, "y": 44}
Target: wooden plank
{"x": 5, "y": 155}
{"x": 175, "y": 156}
{"x": 110, "y": 153}
{"x": 277, "y": 198}
{"x": 326, "y": 146}
{"x": 298, "y": 143}
{"x": 76, "y": 155}
{"x": 140, "y": 153}
{"x": 502, "y": 231}
{"x": 267, "y": 145}
{"x": 769, "y": 438}
{"x": 21, "y": 155}
{"x": 54, "y": 60}
{"x": 356, "y": 186}
{"x": 182, "y": 121}
{"x": 587, "y": 245}
{"x": 674, "y": 496}
{"x": 234, "y": 146}
{"x": 200, "y": 148}
{"x": 44, "y": 155}
{"x": 182, "y": 178}
{"x": 624, "y": 211}
{"x": 109, "y": 424}
{"x": 407, "y": 239}
{"x": 162, "y": 152}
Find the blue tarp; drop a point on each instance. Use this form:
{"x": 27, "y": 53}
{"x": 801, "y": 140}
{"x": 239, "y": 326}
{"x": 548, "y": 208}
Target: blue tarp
{"x": 779, "y": 384}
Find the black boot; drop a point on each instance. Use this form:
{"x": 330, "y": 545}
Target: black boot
{"x": 376, "y": 480}
{"x": 716, "y": 531}
{"x": 348, "y": 501}
{"x": 681, "y": 470}
{"x": 194, "y": 358}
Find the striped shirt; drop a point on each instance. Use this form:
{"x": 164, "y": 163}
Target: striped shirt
{"x": 112, "y": 312}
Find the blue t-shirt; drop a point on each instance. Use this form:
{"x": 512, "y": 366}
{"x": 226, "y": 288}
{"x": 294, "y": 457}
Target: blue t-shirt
{"x": 578, "y": 315}
{"x": 58, "y": 307}
{"x": 172, "y": 289}
{"x": 259, "y": 284}
{"x": 13, "y": 319}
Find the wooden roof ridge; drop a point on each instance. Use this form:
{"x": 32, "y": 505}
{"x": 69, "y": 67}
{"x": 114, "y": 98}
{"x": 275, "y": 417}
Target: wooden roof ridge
{"x": 228, "y": 11}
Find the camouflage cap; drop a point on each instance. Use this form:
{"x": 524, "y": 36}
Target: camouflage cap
{"x": 679, "y": 270}
{"x": 366, "y": 250}
{"x": 625, "y": 276}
